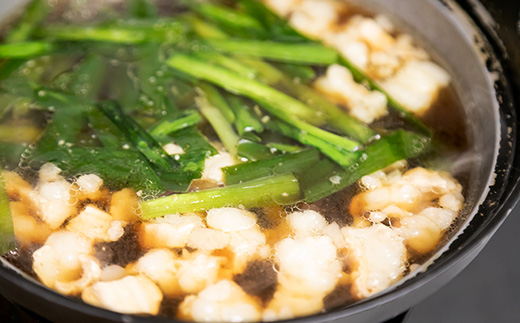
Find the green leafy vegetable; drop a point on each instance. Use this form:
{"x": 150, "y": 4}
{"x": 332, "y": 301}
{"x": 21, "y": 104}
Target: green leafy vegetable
{"x": 279, "y": 189}
{"x": 7, "y": 239}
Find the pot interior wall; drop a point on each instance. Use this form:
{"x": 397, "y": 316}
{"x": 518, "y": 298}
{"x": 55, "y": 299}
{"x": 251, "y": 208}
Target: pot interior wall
{"x": 452, "y": 40}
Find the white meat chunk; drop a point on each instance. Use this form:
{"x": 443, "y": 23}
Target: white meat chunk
{"x": 306, "y": 223}
{"x": 287, "y": 305}
{"x": 390, "y": 174}
{"x": 208, "y": 240}
{"x": 27, "y": 229}
{"x": 52, "y": 202}
{"x": 308, "y": 265}
{"x": 96, "y": 225}
{"x": 50, "y": 173}
{"x": 65, "y": 263}
{"x": 283, "y": 7}
{"x": 89, "y": 183}
{"x": 160, "y": 266}
{"x": 421, "y": 204}
{"x": 433, "y": 182}
{"x": 52, "y": 196}
{"x": 131, "y": 295}
{"x": 310, "y": 223}
{"x": 228, "y": 219}
{"x": 402, "y": 68}
{"x": 90, "y": 272}
{"x": 112, "y": 272}
{"x": 308, "y": 271}
{"x": 333, "y": 231}
{"x": 369, "y": 31}
{"x": 367, "y": 45}
{"x": 244, "y": 244}
{"x": 170, "y": 231}
{"x": 357, "y": 52}
{"x": 410, "y": 191}
{"x": 378, "y": 256}
{"x": 247, "y": 245}
{"x": 173, "y": 149}
{"x": 246, "y": 240}
{"x": 417, "y": 85}
{"x": 365, "y": 105}
{"x": 197, "y": 270}
{"x": 214, "y": 164}
{"x": 187, "y": 274}
{"x": 385, "y": 23}
{"x": 424, "y": 231}
{"x": 315, "y": 17}
{"x": 224, "y": 301}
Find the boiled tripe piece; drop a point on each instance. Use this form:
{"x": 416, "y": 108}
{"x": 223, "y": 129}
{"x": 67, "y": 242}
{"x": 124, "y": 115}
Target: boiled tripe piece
{"x": 283, "y": 7}
{"x": 173, "y": 149}
{"x": 338, "y": 83}
{"x": 403, "y": 69}
{"x": 89, "y": 183}
{"x": 307, "y": 261}
{"x": 50, "y": 200}
{"x": 27, "y": 228}
{"x": 315, "y": 17}
{"x": 377, "y": 256}
{"x": 423, "y": 231}
{"x": 287, "y": 305}
{"x": 197, "y": 270}
{"x": 160, "y": 266}
{"x": 368, "y": 44}
{"x": 416, "y": 85}
{"x": 421, "y": 204}
{"x": 49, "y": 172}
{"x": 170, "y": 231}
{"x": 245, "y": 238}
{"x": 223, "y": 301}
{"x": 96, "y": 225}
{"x": 112, "y": 272}
{"x": 175, "y": 275}
{"x": 308, "y": 269}
{"x": 207, "y": 240}
{"x": 228, "y": 219}
{"x": 51, "y": 196}
{"x": 65, "y": 262}
{"x": 247, "y": 245}
{"x": 130, "y": 294}
{"x": 308, "y": 265}
{"x": 306, "y": 223}
{"x": 213, "y": 166}
{"x": 124, "y": 205}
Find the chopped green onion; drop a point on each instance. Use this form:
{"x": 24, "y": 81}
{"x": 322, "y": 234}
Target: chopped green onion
{"x": 168, "y": 126}
{"x": 279, "y": 103}
{"x": 304, "y": 53}
{"x": 328, "y": 178}
{"x": 279, "y": 189}
{"x": 23, "y": 50}
{"x": 7, "y": 238}
{"x": 296, "y": 163}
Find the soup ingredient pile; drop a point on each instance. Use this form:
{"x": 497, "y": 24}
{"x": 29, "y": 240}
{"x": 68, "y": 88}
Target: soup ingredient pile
{"x": 218, "y": 160}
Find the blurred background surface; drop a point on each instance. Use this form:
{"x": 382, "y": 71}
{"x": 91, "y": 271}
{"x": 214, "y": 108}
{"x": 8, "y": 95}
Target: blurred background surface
{"x": 488, "y": 290}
